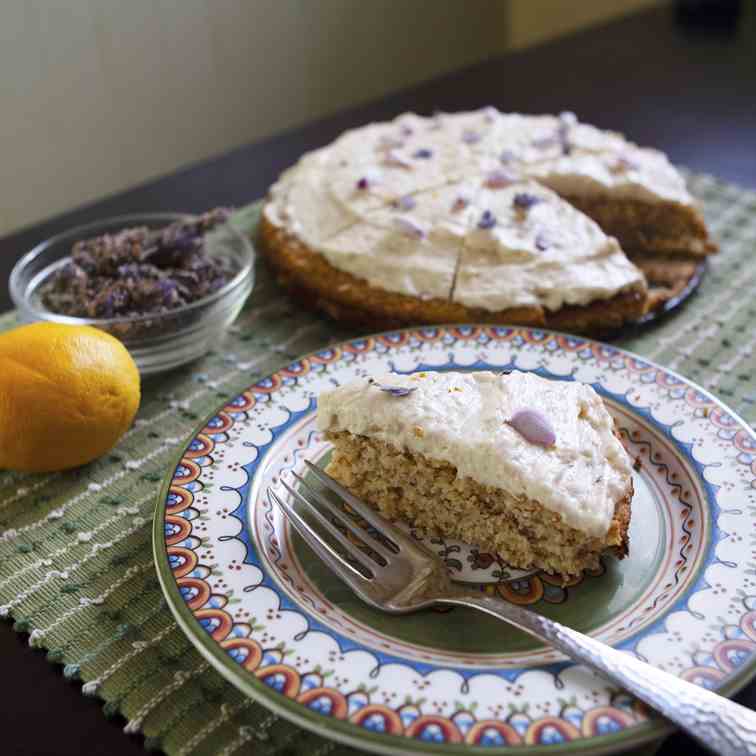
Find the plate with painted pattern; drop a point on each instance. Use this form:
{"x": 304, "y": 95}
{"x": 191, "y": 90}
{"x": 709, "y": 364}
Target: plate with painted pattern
{"x": 271, "y": 618}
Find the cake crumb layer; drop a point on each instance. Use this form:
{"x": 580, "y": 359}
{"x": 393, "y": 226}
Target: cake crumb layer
{"x": 431, "y": 495}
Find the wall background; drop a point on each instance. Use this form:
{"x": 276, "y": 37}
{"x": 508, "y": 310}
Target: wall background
{"x": 98, "y": 95}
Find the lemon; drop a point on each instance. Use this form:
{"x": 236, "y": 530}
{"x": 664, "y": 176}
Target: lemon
{"x": 67, "y": 394}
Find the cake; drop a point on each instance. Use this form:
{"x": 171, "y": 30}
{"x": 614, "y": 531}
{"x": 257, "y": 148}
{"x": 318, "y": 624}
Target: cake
{"x": 483, "y": 217}
{"x": 520, "y": 466}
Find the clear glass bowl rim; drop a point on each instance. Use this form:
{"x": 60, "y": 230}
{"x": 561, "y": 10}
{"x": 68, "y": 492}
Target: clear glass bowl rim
{"x": 19, "y": 293}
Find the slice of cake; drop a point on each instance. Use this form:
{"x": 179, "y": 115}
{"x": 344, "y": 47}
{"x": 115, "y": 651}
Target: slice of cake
{"x": 521, "y": 466}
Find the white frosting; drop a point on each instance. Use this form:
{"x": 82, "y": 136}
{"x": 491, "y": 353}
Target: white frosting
{"x": 352, "y": 200}
{"x": 549, "y": 255}
{"x": 634, "y": 173}
{"x": 461, "y": 418}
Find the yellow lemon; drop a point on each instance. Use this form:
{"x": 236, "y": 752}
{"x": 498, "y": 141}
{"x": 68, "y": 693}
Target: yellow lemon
{"x": 67, "y": 394}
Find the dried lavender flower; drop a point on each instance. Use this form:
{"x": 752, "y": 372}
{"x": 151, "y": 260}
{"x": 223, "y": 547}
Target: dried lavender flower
{"x": 362, "y": 184}
{"x": 139, "y": 271}
{"x": 499, "y": 179}
{"x": 533, "y": 427}
{"x": 543, "y": 143}
{"x": 394, "y": 158}
{"x": 541, "y": 242}
{"x": 398, "y": 390}
{"x": 410, "y": 228}
{"x": 568, "y": 118}
{"x": 393, "y": 390}
{"x": 487, "y": 220}
{"x": 470, "y": 137}
{"x": 489, "y": 114}
{"x": 459, "y": 204}
{"x": 387, "y": 142}
{"x": 407, "y": 202}
{"x": 623, "y": 164}
{"x": 524, "y": 201}
{"x": 423, "y": 154}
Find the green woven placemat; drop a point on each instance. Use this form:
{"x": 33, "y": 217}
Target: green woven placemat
{"x": 75, "y": 558}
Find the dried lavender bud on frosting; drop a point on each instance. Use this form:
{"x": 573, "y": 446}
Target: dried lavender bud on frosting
{"x": 623, "y": 164}
{"x": 387, "y": 142}
{"x": 404, "y": 203}
{"x": 541, "y": 242}
{"x": 393, "y": 390}
{"x": 489, "y": 114}
{"x": 499, "y": 179}
{"x": 533, "y": 427}
{"x": 423, "y": 154}
{"x": 410, "y": 228}
{"x": 543, "y": 143}
{"x": 139, "y": 271}
{"x": 524, "y": 201}
{"x": 394, "y": 158}
{"x": 487, "y": 220}
{"x": 459, "y": 204}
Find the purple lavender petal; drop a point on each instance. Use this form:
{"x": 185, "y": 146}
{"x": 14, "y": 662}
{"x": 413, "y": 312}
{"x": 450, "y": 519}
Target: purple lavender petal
{"x": 394, "y": 158}
{"x": 459, "y": 204}
{"x": 398, "y": 390}
{"x": 499, "y": 180}
{"x": 470, "y": 137}
{"x": 387, "y": 142}
{"x": 393, "y": 390}
{"x": 507, "y": 156}
{"x": 362, "y": 184}
{"x": 407, "y": 202}
{"x": 533, "y": 427}
{"x": 168, "y": 291}
{"x": 568, "y": 118}
{"x": 543, "y": 143}
{"x": 541, "y": 242}
{"x": 487, "y": 220}
{"x": 410, "y": 228}
{"x": 524, "y": 201}
{"x": 624, "y": 164}
{"x": 423, "y": 154}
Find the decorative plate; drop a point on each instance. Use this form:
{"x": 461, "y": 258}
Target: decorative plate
{"x": 272, "y": 619}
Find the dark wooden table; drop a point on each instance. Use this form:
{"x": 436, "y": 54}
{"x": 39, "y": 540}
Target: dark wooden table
{"x": 690, "y": 92}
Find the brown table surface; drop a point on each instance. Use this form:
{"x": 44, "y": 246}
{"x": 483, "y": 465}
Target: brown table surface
{"x": 688, "y": 92}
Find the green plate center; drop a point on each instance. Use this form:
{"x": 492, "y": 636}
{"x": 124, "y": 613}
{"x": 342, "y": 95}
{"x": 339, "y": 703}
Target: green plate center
{"x": 587, "y": 606}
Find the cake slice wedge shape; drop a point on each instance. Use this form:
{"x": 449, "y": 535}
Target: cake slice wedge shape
{"x": 531, "y": 251}
{"x": 523, "y": 467}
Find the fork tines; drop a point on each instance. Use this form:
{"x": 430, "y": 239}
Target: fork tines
{"x": 368, "y": 553}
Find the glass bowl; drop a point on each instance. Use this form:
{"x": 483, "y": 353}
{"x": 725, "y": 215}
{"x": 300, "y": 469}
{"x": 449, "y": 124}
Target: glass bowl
{"x": 157, "y": 342}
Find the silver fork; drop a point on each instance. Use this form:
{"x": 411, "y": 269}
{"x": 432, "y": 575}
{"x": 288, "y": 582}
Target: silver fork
{"x": 400, "y": 576}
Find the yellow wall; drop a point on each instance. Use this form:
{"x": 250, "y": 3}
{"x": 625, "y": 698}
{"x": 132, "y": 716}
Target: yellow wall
{"x": 99, "y": 95}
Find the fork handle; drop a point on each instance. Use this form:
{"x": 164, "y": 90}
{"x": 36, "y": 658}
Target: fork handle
{"x": 722, "y": 726}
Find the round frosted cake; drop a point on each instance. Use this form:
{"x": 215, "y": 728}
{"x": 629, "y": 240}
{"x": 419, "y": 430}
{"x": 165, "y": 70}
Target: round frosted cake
{"x": 483, "y": 217}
